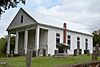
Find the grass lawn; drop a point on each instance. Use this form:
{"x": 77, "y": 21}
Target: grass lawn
{"x": 46, "y": 61}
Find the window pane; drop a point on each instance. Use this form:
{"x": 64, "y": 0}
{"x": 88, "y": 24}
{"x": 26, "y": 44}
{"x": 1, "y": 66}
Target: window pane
{"x": 86, "y": 39}
{"x": 78, "y": 44}
{"x": 58, "y": 34}
{"x": 78, "y": 38}
{"x": 86, "y": 44}
{"x": 69, "y": 41}
{"x": 68, "y": 36}
{"x": 57, "y": 40}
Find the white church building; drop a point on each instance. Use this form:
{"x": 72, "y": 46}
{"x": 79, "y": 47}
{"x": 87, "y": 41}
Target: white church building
{"x": 42, "y": 33}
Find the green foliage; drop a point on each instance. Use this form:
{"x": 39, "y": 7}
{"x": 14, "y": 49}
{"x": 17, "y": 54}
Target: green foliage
{"x": 3, "y": 45}
{"x": 12, "y": 43}
{"x": 96, "y": 37}
{"x": 6, "y": 4}
{"x": 49, "y": 61}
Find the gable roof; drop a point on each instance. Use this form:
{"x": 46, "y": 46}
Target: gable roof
{"x": 55, "y": 21}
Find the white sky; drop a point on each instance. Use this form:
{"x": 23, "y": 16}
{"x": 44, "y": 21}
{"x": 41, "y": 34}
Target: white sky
{"x": 86, "y": 12}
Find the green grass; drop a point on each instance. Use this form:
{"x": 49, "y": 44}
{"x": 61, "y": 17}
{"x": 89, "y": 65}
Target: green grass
{"x": 47, "y": 61}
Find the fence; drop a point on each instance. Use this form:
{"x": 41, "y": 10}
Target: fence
{"x": 90, "y": 64}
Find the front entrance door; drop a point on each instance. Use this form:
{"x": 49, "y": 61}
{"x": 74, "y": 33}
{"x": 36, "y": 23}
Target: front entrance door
{"x": 44, "y": 52}
{"x": 60, "y": 50}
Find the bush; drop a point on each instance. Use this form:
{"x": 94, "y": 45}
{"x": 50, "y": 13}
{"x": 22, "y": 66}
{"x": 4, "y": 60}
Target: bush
{"x": 3, "y": 43}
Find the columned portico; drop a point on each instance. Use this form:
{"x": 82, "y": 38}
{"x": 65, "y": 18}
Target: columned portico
{"x": 8, "y": 44}
{"x": 26, "y": 41}
{"x": 16, "y": 42}
{"x": 29, "y": 38}
{"x": 37, "y": 40}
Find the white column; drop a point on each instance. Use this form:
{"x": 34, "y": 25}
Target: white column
{"x": 26, "y": 41}
{"x": 16, "y": 43}
{"x": 37, "y": 40}
{"x": 8, "y": 44}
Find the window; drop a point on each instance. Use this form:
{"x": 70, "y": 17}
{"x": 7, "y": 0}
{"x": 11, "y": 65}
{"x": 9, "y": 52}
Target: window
{"x": 78, "y": 42}
{"x": 69, "y": 41}
{"x": 78, "y": 38}
{"x": 57, "y": 35}
{"x": 21, "y": 18}
{"x": 57, "y": 38}
{"x": 86, "y": 44}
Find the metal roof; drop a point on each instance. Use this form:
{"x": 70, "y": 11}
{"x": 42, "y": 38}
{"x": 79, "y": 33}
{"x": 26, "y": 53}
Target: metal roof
{"x": 56, "y": 22}
{"x": 49, "y": 20}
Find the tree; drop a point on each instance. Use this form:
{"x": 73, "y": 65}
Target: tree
{"x": 12, "y": 43}
{"x": 96, "y": 37}
{"x": 3, "y": 45}
{"x": 6, "y": 4}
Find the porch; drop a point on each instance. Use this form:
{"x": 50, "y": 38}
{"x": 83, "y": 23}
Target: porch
{"x": 29, "y": 38}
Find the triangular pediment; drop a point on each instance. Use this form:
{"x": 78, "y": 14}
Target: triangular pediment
{"x": 18, "y": 21}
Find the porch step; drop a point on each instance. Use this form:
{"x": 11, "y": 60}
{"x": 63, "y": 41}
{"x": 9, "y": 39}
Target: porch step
{"x": 61, "y": 55}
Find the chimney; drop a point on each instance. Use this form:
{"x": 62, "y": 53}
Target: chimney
{"x": 64, "y": 33}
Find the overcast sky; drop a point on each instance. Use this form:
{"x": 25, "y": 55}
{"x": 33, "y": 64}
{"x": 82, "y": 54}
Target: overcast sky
{"x": 86, "y": 12}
